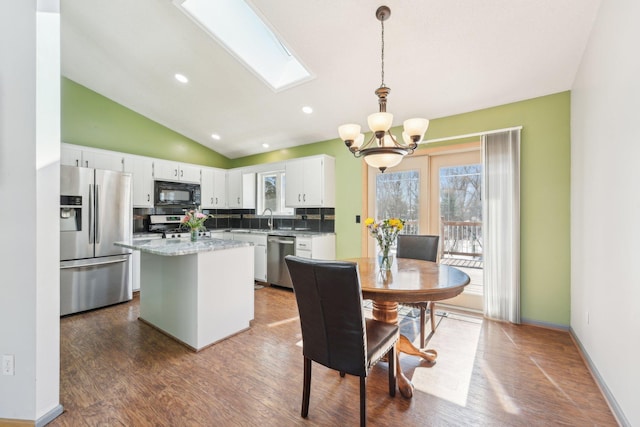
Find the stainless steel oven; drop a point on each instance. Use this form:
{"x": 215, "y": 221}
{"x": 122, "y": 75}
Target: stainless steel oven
{"x": 176, "y": 194}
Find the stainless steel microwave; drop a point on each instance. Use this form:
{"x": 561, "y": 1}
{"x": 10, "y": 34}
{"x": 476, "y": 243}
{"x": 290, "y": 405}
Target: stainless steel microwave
{"x": 177, "y": 194}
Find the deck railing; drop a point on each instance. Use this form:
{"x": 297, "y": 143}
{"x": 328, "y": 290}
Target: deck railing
{"x": 461, "y": 238}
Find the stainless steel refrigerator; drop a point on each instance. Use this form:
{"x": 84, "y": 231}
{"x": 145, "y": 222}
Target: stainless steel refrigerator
{"x": 95, "y": 212}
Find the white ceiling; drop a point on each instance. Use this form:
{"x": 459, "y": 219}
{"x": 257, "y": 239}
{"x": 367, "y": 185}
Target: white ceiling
{"x": 442, "y": 57}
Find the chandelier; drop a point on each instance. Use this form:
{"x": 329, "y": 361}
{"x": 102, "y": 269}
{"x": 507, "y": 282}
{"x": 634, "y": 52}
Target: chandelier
{"x": 383, "y": 150}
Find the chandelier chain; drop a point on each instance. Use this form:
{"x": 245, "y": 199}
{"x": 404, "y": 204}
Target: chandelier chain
{"x": 382, "y": 53}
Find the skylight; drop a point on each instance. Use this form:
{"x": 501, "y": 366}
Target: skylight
{"x": 235, "y": 25}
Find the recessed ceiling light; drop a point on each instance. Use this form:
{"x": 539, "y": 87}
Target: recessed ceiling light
{"x": 307, "y": 110}
{"x": 265, "y": 145}
{"x": 215, "y": 136}
{"x": 181, "y": 78}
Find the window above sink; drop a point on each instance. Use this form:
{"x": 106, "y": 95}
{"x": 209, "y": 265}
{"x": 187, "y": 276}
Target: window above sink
{"x": 270, "y": 193}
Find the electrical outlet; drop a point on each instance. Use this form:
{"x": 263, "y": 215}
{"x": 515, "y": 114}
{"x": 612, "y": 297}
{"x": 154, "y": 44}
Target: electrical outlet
{"x": 8, "y": 364}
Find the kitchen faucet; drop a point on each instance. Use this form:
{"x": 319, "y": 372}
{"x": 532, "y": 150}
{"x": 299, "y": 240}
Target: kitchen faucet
{"x": 270, "y": 222}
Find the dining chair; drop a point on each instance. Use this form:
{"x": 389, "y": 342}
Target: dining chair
{"x": 335, "y": 332}
{"x": 424, "y": 247}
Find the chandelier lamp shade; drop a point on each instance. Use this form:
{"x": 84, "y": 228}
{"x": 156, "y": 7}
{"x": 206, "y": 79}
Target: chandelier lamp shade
{"x": 383, "y": 150}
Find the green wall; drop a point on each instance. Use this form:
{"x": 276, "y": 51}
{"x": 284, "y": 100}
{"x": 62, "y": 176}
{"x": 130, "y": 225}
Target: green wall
{"x": 92, "y": 120}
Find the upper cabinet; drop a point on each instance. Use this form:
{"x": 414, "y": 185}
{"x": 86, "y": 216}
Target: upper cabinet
{"x": 213, "y": 188}
{"x": 241, "y": 189}
{"x": 141, "y": 169}
{"x": 310, "y": 182}
{"x": 172, "y": 171}
{"x": 91, "y": 158}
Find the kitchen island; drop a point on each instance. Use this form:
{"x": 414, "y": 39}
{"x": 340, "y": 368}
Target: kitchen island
{"x": 196, "y": 292}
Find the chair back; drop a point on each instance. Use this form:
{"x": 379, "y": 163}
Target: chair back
{"x": 329, "y": 301}
{"x": 414, "y": 246}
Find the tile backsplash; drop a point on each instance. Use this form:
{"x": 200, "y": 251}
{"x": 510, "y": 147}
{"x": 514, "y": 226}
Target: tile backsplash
{"x": 308, "y": 219}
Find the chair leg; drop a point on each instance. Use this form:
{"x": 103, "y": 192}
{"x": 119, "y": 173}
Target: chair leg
{"x": 423, "y": 310}
{"x": 306, "y": 388}
{"x": 392, "y": 357}
{"x": 432, "y": 312}
{"x": 363, "y": 401}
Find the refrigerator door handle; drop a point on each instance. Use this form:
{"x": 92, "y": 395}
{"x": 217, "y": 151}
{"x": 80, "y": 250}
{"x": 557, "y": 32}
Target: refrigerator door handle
{"x": 97, "y": 210}
{"x": 91, "y": 228}
{"x": 64, "y": 267}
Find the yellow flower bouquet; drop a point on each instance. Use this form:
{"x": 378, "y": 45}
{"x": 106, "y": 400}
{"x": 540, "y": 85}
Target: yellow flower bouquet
{"x": 385, "y": 232}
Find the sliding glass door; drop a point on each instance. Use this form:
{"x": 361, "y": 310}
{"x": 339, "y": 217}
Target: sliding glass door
{"x": 437, "y": 194}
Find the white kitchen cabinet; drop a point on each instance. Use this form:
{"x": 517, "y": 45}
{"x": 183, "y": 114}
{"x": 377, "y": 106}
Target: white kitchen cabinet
{"x": 213, "y": 189}
{"x": 310, "y": 182}
{"x": 260, "y": 252}
{"x": 316, "y": 247}
{"x": 241, "y": 189}
{"x": 91, "y": 158}
{"x": 172, "y": 171}
{"x": 70, "y": 156}
{"x": 219, "y": 188}
{"x": 141, "y": 170}
{"x": 206, "y": 188}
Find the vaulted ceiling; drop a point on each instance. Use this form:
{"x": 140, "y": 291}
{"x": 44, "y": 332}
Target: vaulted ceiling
{"x": 442, "y": 57}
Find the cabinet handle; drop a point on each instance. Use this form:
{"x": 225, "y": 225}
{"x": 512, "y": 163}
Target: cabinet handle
{"x": 238, "y": 200}
{"x": 304, "y": 197}
{"x": 298, "y": 196}
{"x": 148, "y": 197}
{"x": 212, "y": 200}
{"x": 76, "y": 162}
{"x": 216, "y": 201}
{"x": 181, "y": 173}
{"x": 175, "y": 172}
{"x": 86, "y": 162}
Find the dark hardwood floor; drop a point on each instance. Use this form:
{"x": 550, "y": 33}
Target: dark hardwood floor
{"x": 118, "y": 371}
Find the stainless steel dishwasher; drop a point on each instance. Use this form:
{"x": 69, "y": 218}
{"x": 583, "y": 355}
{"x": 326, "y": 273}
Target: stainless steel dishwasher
{"x": 279, "y": 247}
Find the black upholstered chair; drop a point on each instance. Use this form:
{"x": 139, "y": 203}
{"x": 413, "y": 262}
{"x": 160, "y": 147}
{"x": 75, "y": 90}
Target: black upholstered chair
{"x": 335, "y": 332}
{"x": 426, "y": 248}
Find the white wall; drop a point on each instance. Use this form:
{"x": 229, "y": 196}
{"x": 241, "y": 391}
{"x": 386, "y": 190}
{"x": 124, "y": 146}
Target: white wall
{"x": 605, "y": 203}
{"x": 29, "y": 185}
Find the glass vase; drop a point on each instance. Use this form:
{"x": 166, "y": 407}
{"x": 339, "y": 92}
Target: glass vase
{"x": 385, "y": 259}
{"x": 194, "y": 234}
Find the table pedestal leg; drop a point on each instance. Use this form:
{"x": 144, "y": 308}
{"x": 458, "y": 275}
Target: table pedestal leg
{"x": 388, "y": 312}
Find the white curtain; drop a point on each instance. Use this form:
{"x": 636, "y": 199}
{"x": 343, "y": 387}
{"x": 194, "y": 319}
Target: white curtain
{"x": 501, "y": 225}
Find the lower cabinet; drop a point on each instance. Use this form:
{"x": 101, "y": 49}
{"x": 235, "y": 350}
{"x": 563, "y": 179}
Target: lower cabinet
{"x": 316, "y": 247}
{"x": 260, "y": 252}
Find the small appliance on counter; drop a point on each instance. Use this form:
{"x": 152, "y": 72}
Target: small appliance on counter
{"x": 95, "y": 212}
{"x": 169, "y": 227}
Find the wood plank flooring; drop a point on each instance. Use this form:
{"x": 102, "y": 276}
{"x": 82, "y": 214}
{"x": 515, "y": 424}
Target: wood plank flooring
{"x": 117, "y": 371}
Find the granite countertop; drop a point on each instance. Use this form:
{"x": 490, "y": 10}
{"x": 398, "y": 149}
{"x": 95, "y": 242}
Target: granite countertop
{"x": 175, "y": 247}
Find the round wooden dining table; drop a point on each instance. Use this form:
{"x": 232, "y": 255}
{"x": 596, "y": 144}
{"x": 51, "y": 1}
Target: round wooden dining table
{"x": 409, "y": 280}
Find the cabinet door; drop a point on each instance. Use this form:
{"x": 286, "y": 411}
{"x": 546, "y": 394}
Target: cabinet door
{"x": 141, "y": 170}
{"x": 312, "y": 178}
{"x": 219, "y": 189}
{"x": 189, "y": 173}
{"x": 70, "y": 156}
{"x": 207, "y": 189}
{"x": 248, "y": 190}
{"x": 259, "y": 253}
{"x": 294, "y": 187}
{"x": 166, "y": 171}
{"x": 234, "y": 189}
{"x": 102, "y": 160}
{"x": 260, "y": 262}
